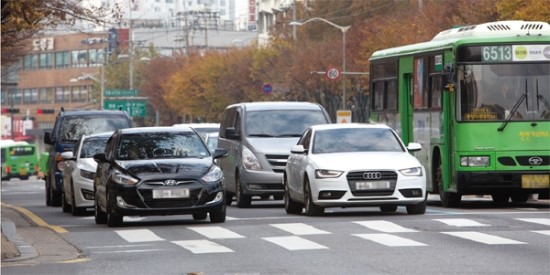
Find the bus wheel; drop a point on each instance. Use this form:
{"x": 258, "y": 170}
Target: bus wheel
{"x": 448, "y": 199}
{"x": 521, "y": 197}
{"x": 500, "y": 198}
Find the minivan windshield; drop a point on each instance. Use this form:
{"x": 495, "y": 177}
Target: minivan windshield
{"x": 281, "y": 123}
{"x": 74, "y": 127}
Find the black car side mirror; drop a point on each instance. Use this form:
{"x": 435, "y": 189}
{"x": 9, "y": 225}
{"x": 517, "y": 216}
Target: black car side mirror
{"x": 99, "y": 158}
{"x": 48, "y": 138}
{"x": 220, "y": 153}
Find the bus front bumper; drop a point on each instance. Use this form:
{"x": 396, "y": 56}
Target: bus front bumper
{"x": 487, "y": 182}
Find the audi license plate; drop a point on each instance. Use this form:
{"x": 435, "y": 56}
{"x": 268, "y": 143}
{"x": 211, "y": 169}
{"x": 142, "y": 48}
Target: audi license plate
{"x": 171, "y": 193}
{"x": 368, "y": 185}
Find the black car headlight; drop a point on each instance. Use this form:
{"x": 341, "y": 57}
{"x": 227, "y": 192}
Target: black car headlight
{"x": 124, "y": 179}
{"x": 215, "y": 174}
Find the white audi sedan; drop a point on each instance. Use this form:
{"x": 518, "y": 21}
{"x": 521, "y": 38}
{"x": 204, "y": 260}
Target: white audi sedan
{"x": 353, "y": 165}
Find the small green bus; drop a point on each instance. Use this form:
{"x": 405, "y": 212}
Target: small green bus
{"x": 477, "y": 99}
{"x": 19, "y": 160}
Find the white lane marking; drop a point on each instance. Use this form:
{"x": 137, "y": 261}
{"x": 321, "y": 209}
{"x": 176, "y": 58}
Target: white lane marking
{"x": 216, "y": 232}
{"x": 482, "y": 237}
{"x": 299, "y": 229}
{"x": 138, "y": 235}
{"x": 460, "y": 222}
{"x": 295, "y": 243}
{"x": 544, "y": 232}
{"x": 389, "y": 240}
{"x": 133, "y": 219}
{"x": 385, "y": 226}
{"x": 202, "y": 246}
{"x": 117, "y": 246}
{"x": 543, "y": 221}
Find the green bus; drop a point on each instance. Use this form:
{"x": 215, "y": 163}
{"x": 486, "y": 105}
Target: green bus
{"x": 476, "y": 98}
{"x": 19, "y": 160}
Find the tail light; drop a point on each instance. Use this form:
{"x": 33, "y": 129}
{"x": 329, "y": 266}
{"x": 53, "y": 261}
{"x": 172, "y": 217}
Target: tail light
{"x": 8, "y": 169}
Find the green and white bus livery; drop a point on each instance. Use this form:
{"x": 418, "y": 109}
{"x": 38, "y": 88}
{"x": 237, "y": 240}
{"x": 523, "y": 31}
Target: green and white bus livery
{"x": 477, "y": 99}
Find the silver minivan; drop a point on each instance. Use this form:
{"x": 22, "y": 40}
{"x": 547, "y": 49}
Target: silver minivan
{"x": 258, "y": 136}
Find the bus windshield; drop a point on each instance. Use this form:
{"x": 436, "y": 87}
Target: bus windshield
{"x": 496, "y": 92}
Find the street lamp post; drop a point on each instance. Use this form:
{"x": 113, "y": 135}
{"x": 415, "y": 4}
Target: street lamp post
{"x": 344, "y": 29}
{"x": 86, "y": 76}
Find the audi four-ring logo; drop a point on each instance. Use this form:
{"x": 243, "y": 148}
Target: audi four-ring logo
{"x": 372, "y": 175}
{"x": 535, "y": 160}
{"x": 170, "y": 182}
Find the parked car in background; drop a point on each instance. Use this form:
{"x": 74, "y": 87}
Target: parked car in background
{"x": 202, "y": 128}
{"x": 69, "y": 126}
{"x": 211, "y": 140}
{"x": 347, "y": 165}
{"x": 79, "y": 173}
{"x": 258, "y": 136}
{"x": 158, "y": 171}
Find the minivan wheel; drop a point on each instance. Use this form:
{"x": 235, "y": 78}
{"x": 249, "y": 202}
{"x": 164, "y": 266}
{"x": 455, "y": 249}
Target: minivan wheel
{"x": 55, "y": 197}
{"x": 243, "y": 201}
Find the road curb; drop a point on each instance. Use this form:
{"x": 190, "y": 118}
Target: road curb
{"x": 24, "y": 251}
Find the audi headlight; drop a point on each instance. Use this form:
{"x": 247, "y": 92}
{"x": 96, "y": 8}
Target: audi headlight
{"x": 323, "y": 173}
{"x": 250, "y": 161}
{"x": 474, "y": 161}
{"x": 124, "y": 179}
{"x": 213, "y": 175}
{"x": 412, "y": 172}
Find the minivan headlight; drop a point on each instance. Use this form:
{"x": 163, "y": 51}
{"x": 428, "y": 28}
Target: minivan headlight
{"x": 124, "y": 179}
{"x": 250, "y": 161}
{"x": 213, "y": 175}
{"x": 474, "y": 161}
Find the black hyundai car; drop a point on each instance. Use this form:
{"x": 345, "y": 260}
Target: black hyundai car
{"x": 158, "y": 171}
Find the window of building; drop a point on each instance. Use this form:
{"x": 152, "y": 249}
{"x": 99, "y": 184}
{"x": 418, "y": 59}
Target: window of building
{"x": 62, "y": 94}
{"x": 45, "y": 96}
{"x": 46, "y": 60}
{"x": 62, "y": 60}
{"x": 30, "y": 96}
{"x": 30, "y": 62}
{"x": 17, "y": 97}
{"x": 80, "y": 94}
{"x": 79, "y": 58}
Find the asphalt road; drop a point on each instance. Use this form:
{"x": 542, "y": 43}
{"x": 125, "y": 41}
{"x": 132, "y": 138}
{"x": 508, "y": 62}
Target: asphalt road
{"x": 477, "y": 238}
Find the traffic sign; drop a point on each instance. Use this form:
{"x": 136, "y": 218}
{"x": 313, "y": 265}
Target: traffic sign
{"x": 135, "y": 108}
{"x": 267, "y": 88}
{"x": 333, "y": 73}
{"x": 120, "y": 93}
{"x": 343, "y": 116}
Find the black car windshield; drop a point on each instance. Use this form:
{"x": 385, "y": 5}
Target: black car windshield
{"x": 161, "y": 145}
{"x": 281, "y": 123}
{"x": 92, "y": 146}
{"x": 74, "y": 127}
{"x": 355, "y": 140}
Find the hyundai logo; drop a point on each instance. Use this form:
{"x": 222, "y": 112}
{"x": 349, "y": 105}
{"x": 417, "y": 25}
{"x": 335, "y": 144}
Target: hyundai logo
{"x": 372, "y": 175}
{"x": 535, "y": 160}
{"x": 170, "y": 182}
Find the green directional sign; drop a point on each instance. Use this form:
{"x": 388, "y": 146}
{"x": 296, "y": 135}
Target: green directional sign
{"x": 120, "y": 93}
{"x": 135, "y": 108}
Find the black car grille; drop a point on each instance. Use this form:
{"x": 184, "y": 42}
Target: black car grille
{"x": 278, "y": 162}
{"x": 357, "y": 176}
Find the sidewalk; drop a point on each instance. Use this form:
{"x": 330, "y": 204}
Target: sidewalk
{"x": 24, "y": 241}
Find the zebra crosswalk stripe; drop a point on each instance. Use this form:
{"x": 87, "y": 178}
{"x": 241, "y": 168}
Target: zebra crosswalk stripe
{"x": 482, "y": 237}
{"x": 543, "y": 221}
{"x": 295, "y": 243}
{"x": 299, "y": 229}
{"x": 138, "y": 235}
{"x": 216, "y": 232}
{"x": 385, "y": 226}
{"x": 389, "y": 240}
{"x": 460, "y": 222}
{"x": 202, "y": 246}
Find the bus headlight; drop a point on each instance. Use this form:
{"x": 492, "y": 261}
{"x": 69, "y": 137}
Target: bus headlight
{"x": 474, "y": 161}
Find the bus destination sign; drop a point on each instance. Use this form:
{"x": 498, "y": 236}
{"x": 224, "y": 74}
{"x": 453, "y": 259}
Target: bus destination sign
{"x": 504, "y": 53}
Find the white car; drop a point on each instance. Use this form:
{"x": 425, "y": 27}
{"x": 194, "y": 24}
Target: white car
{"x": 202, "y": 128}
{"x": 79, "y": 173}
{"x": 353, "y": 165}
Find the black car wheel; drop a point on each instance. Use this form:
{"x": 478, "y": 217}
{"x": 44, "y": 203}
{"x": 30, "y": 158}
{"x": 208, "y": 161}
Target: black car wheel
{"x": 199, "y": 216}
{"x": 47, "y": 192}
{"x": 55, "y": 197}
{"x": 218, "y": 216}
{"x": 113, "y": 219}
{"x": 291, "y": 207}
{"x": 243, "y": 201}
{"x": 311, "y": 208}
{"x": 100, "y": 216}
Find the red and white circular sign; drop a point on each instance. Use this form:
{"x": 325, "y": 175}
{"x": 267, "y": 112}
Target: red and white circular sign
{"x": 333, "y": 73}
